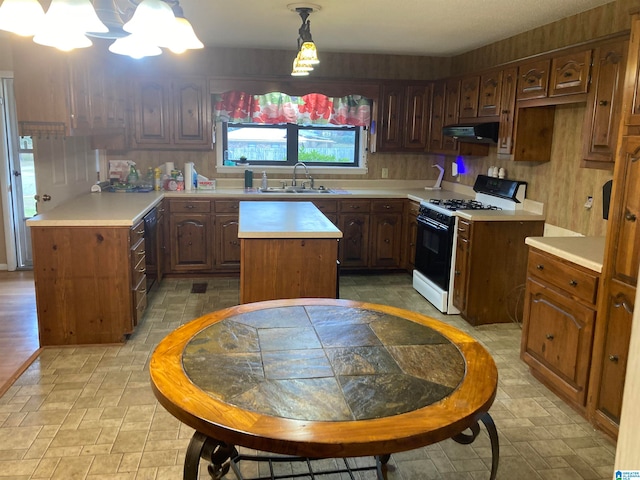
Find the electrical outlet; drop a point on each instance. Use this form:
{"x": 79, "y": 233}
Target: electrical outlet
{"x": 454, "y": 169}
{"x": 589, "y": 203}
{"x": 385, "y": 173}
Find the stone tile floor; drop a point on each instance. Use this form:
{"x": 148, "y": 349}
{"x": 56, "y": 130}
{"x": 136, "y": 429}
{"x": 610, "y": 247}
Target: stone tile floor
{"x": 89, "y": 413}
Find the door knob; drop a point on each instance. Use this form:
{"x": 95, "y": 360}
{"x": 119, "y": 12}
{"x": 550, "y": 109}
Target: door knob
{"x": 46, "y": 198}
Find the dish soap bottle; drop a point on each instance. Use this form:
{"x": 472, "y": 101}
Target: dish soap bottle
{"x": 132, "y": 178}
{"x": 264, "y": 181}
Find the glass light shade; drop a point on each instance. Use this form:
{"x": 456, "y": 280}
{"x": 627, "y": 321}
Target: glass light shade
{"x": 76, "y": 15}
{"x": 65, "y": 41}
{"x": 22, "y": 17}
{"x": 181, "y": 38}
{"x": 151, "y": 20}
{"x": 300, "y": 70}
{"x": 308, "y": 54}
{"x": 134, "y": 46}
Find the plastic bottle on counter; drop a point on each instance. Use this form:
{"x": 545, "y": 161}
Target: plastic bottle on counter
{"x": 180, "y": 181}
{"x": 132, "y": 178}
{"x": 264, "y": 181}
{"x": 157, "y": 180}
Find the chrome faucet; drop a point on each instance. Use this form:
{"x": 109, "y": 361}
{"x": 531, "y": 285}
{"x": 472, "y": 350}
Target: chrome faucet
{"x": 306, "y": 172}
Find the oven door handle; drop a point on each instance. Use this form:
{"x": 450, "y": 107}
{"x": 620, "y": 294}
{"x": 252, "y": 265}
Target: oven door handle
{"x": 427, "y": 222}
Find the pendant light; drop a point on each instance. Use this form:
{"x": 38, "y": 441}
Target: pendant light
{"x": 181, "y": 36}
{"x": 307, "y": 55}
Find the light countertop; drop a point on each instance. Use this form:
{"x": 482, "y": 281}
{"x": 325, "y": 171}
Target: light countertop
{"x": 585, "y": 251}
{"x": 126, "y": 209}
{"x": 500, "y": 215}
{"x": 283, "y": 219}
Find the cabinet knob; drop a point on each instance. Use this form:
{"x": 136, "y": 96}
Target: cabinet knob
{"x": 189, "y": 206}
{"x": 387, "y": 207}
{"x": 550, "y": 336}
{"x": 629, "y": 216}
{"x": 540, "y": 266}
{"x": 568, "y": 74}
{"x": 457, "y": 272}
{"x": 506, "y": 111}
{"x": 386, "y": 240}
{"x": 573, "y": 283}
{"x": 614, "y": 358}
{"x": 603, "y": 103}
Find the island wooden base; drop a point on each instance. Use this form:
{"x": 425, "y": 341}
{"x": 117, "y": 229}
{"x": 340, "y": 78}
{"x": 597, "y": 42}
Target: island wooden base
{"x": 276, "y": 268}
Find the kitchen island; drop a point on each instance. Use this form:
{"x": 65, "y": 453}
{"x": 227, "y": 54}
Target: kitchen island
{"x": 288, "y": 250}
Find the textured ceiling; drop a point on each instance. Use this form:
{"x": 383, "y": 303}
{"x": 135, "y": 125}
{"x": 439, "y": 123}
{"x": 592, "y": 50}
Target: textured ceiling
{"x": 413, "y": 27}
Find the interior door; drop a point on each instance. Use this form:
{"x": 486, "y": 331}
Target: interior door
{"x": 64, "y": 168}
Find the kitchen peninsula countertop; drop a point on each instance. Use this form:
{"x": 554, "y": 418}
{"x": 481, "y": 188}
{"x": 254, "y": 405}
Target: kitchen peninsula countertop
{"x": 284, "y": 220}
{"x": 126, "y": 209}
{"x": 584, "y": 251}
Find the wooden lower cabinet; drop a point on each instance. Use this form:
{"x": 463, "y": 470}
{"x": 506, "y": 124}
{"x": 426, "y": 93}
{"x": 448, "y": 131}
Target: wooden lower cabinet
{"x": 288, "y": 268}
{"x": 492, "y": 259}
{"x": 226, "y": 235}
{"x": 610, "y": 359}
{"x": 90, "y": 283}
{"x": 410, "y": 235}
{"x": 192, "y": 247}
{"x": 557, "y": 337}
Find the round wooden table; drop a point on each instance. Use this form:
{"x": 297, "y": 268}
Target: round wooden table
{"x": 322, "y": 378}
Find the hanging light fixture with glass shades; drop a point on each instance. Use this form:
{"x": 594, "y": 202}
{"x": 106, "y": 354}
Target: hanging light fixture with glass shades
{"x": 139, "y": 29}
{"x": 307, "y": 55}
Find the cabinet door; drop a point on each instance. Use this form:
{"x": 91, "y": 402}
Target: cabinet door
{"x": 533, "y": 80}
{"x": 386, "y": 240}
{"x": 627, "y": 233}
{"x": 619, "y": 317}
{"x": 416, "y": 127}
{"x": 603, "y": 103}
{"x": 81, "y": 116}
{"x": 391, "y": 120}
{"x": 469, "y": 92}
{"x": 570, "y": 74}
{"x": 191, "y": 242}
{"x": 461, "y": 273}
{"x": 451, "y": 107}
{"x": 354, "y": 247}
{"x": 192, "y": 123}
{"x": 557, "y": 339}
{"x": 152, "y": 117}
{"x": 411, "y": 232}
{"x": 507, "y": 110}
{"x": 228, "y": 242}
{"x": 437, "y": 117}
{"x": 490, "y": 94}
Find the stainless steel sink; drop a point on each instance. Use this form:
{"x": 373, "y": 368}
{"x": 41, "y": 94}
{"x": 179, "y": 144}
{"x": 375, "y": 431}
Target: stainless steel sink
{"x": 296, "y": 190}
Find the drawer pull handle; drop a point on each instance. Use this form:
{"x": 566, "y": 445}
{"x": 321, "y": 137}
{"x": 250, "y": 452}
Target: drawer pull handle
{"x": 141, "y": 253}
{"x": 573, "y": 283}
{"x": 550, "y": 336}
{"x": 189, "y": 206}
{"x": 568, "y": 74}
{"x": 614, "y": 358}
{"x": 142, "y": 270}
{"x": 140, "y": 232}
{"x": 622, "y": 301}
{"x": 629, "y": 216}
{"x": 540, "y": 266}
{"x": 603, "y": 103}
{"x": 387, "y": 207}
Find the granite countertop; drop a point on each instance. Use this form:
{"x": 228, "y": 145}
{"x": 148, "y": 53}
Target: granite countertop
{"x": 587, "y": 252}
{"x": 282, "y": 219}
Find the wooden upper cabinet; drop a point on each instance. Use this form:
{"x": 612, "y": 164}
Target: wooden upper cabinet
{"x": 417, "y": 110}
{"x": 490, "y": 94}
{"x": 507, "y": 110}
{"x": 172, "y": 113}
{"x": 469, "y": 92}
{"x": 41, "y": 89}
{"x": 570, "y": 74}
{"x": 390, "y": 131}
{"x": 451, "y": 111}
{"x": 437, "y": 117}
{"x": 80, "y": 97}
{"x": 533, "y": 80}
{"x": 605, "y": 95}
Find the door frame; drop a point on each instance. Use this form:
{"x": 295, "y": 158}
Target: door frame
{"x": 5, "y": 186}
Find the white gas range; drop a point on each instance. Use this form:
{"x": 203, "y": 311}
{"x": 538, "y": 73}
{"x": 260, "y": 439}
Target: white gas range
{"x": 437, "y": 235}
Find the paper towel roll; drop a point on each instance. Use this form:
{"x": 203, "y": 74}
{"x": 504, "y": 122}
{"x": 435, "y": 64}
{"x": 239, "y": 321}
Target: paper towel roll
{"x": 188, "y": 176}
{"x": 168, "y": 166}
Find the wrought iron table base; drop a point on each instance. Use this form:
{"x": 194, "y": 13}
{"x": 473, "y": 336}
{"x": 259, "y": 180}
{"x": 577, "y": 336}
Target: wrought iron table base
{"x": 223, "y": 457}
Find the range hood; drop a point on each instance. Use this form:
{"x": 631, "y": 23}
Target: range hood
{"x": 479, "y": 133}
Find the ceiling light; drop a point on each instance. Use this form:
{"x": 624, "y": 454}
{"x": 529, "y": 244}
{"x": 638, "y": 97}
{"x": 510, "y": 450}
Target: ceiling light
{"x": 134, "y": 46}
{"x": 307, "y": 53}
{"x": 22, "y": 17}
{"x": 181, "y": 36}
{"x": 65, "y": 24}
{"x": 153, "y": 19}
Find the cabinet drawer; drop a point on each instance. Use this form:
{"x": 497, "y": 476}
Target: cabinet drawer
{"x": 464, "y": 229}
{"x": 181, "y": 206}
{"x": 136, "y": 233}
{"x": 360, "y": 206}
{"x": 569, "y": 278}
{"x": 387, "y": 206}
{"x": 326, "y": 206}
{"x": 413, "y": 209}
{"x": 227, "y": 206}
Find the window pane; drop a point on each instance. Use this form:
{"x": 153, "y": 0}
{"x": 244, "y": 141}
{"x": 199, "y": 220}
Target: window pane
{"x": 323, "y": 145}
{"x": 257, "y": 143}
